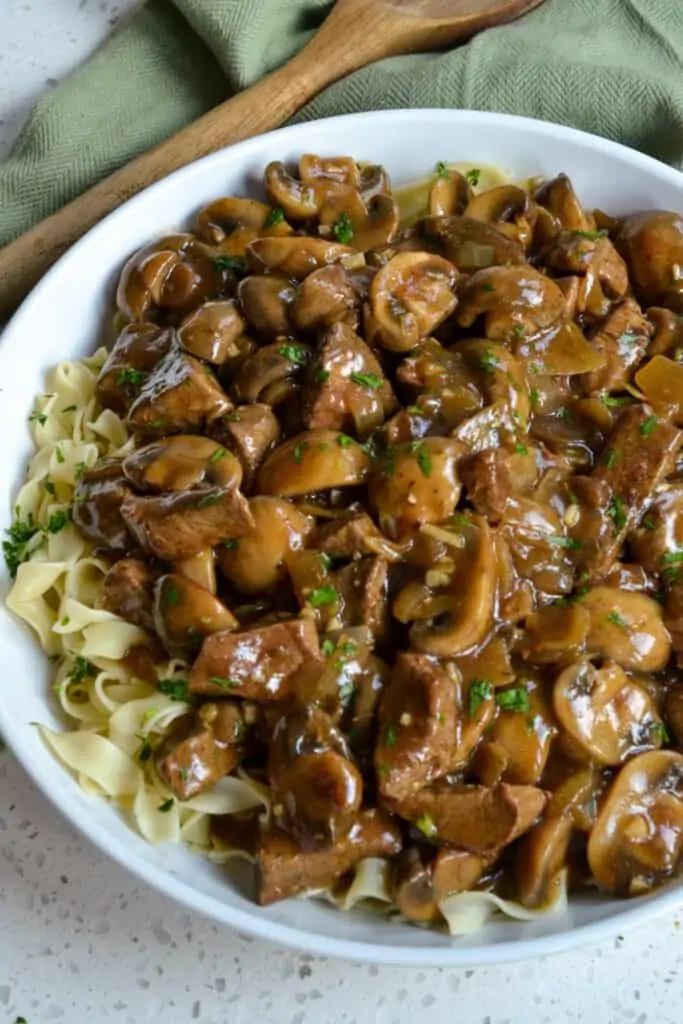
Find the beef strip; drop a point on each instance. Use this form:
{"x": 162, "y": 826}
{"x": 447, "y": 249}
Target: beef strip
{"x": 181, "y": 396}
{"x": 352, "y": 536}
{"x": 128, "y": 591}
{"x": 623, "y": 337}
{"x": 639, "y": 455}
{"x": 285, "y": 868}
{"x": 97, "y": 505}
{"x": 258, "y": 663}
{"x": 477, "y": 818}
{"x": 489, "y": 481}
{"x": 347, "y": 389}
{"x": 180, "y": 524}
{"x": 250, "y": 432}
{"x": 204, "y": 749}
{"x": 363, "y": 588}
{"x": 137, "y": 350}
{"x": 417, "y": 726}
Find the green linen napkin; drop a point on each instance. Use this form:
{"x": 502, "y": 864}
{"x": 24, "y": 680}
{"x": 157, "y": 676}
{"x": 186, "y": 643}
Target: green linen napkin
{"x": 614, "y": 67}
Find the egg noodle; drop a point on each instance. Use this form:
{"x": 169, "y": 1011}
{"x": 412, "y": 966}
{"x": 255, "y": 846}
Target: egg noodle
{"x": 115, "y": 718}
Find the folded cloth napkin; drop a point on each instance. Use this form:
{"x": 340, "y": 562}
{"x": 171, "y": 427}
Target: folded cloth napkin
{"x": 614, "y": 67}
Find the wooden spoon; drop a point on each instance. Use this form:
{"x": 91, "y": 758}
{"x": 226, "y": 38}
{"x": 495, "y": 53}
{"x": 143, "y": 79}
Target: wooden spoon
{"x": 355, "y": 33}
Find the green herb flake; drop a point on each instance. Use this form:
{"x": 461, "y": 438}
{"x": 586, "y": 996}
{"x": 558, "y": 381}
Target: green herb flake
{"x": 390, "y": 736}
{"x": 321, "y": 376}
{"x": 648, "y": 425}
{"x": 617, "y": 511}
{"x": 426, "y": 825}
{"x": 69, "y": 408}
{"x": 82, "y": 669}
{"x": 298, "y": 451}
{"x": 617, "y": 620}
{"x": 443, "y": 170}
{"x": 49, "y": 486}
{"x": 296, "y": 354}
{"x": 382, "y": 769}
{"x": 515, "y": 699}
{"x": 342, "y": 228}
{"x": 224, "y": 683}
{"x": 176, "y": 689}
{"x": 534, "y": 396}
{"x": 79, "y": 470}
{"x": 424, "y": 461}
{"x": 130, "y": 378}
{"x": 328, "y": 647}
{"x": 612, "y": 458}
{"x": 38, "y": 417}
{"x": 145, "y": 752}
{"x": 346, "y": 692}
{"x": 166, "y": 806}
{"x": 565, "y": 542}
{"x": 344, "y": 441}
{"x": 158, "y": 424}
{"x": 472, "y": 176}
{"x": 629, "y": 338}
{"x": 16, "y": 547}
{"x": 218, "y": 454}
{"x": 648, "y": 522}
{"x": 519, "y": 330}
{"x": 487, "y": 287}
{"x": 236, "y": 265}
{"x": 274, "y": 217}
{"x": 347, "y": 648}
{"x": 231, "y": 544}
{"x": 489, "y": 362}
{"x": 480, "y": 690}
{"x": 660, "y": 732}
{"x": 65, "y": 620}
{"x": 171, "y": 595}
{"x": 521, "y": 449}
{"x": 320, "y": 596}
{"x": 616, "y": 401}
{"x": 593, "y": 236}
{"x": 367, "y": 380}
{"x": 58, "y": 520}
{"x": 59, "y": 454}
{"x": 672, "y": 557}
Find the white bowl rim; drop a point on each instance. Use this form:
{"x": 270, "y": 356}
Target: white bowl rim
{"x": 634, "y": 914}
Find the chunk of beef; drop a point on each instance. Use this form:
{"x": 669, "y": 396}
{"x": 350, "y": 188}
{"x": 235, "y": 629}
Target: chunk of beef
{"x": 324, "y": 297}
{"x": 258, "y": 663}
{"x": 363, "y": 588}
{"x": 127, "y": 591}
{"x": 417, "y": 726}
{"x": 180, "y": 396}
{"x": 285, "y": 868}
{"x": 137, "y": 350}
{"x": 204, "y": 750}
{"x": 480, "y": 819}
{"x": 623, "y": 338}
{"x": 353, "y": 536}
{"x": 639, "y": 455}
{"x": 97, "y": 505}
{"x": 180, "y": 524}
{"x": 250, "y": 432}
{"x": 347, "y": 389}
{"x": 659, "y": 536}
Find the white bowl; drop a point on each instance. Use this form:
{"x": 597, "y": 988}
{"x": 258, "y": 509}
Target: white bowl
{"x": 61, "y": 319}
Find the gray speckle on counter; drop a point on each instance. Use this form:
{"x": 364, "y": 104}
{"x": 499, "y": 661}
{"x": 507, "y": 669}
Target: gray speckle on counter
{"x": 82, "y": 940}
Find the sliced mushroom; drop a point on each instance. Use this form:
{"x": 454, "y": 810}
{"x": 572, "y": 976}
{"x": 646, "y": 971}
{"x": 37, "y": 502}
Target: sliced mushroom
{"x": 270, "y": 374}
{"x": 556, "y": 633}
{"x": 627, "y": 628}
{"x": 450, "y": 194}
{"x": 181, "y": 462}
{"x": 173, "y": 275}
{"x": 661, "y": 381}
{"x": 415, "y": 484}
{"x": 509, "y": 208}
{"x": 409, "y": 297}
{"x": 265, "y": 301}
{"x": 500, "y": 376}
{"x": 468, "y": 598}
{"x": 232, "y": 222}
{"x": 471, "y": 244}
{"x": 658, "y": 538}
{"x": 370, "y": 225}
{"x": 295, "y": 256}
{"x": 315, "y": 460}
{"x": 652, "y": 245}
{"x": 184, "y": 613}
{"x": 558, "y": 196}
{"x": 511, "y": 300}
{"x": 607, "y": 716}
{"x": 412, "y": 889}
{"x": 256, "y": 561}
{"x": 202, "y": 750}
{"x": 200, "y": 568}
{"x": 212, "y": 330}
{"x": 323, "y": 298}
{"x": 541, "y": 855}
{"x": 524, "y": 729}
{"x": 297, "y": 199}
{"x": 638, "y": 838}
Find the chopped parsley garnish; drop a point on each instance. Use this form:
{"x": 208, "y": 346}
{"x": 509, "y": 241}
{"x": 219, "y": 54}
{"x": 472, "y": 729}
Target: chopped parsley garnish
{"x": 237, "y": 265}
{"x": 390, "y": 736}
{"x": 565, "y": 542}
{"x": 59, "y": 454}
{"x": 342, "y": 229}
{"x": 617, "y": 620}
{"x": 346, "y": 692}
{"x": 480, "y": 690}
{"x": 382, "y": 769}
{"x": 145, "y": 752}
{"x": 615, "y": 401}
{"x": 328, "y": 647}
{"x": 224, "y": 683}
{"x": 592, "y": 235}
{"x": 426, "y": 825}
{"x": 630, "y": 338}
{"x": 176, "y": 689}
{"x": 15, "y": 548}
{"x": 443, "y": 170}
{"x": 367, "y": 380}
{"x": 516, "y": 699}
{"x": 423, "y": 460}
{"x": 231, "y": 543}
{"x": 673, "y": 557}
{"x": 208, "y": 500}
{"x": 296, "y": 354}
{"x": 58, "y": 520}
{"x": 472, "y": 176}
{"x": 79, "y": 470}
{"x": 344, "y": 441}
{"x": 298, "y": 451}
{"x": 130, "y": 378}
{"x": 487, "y": 287}
{"x": 69, "y": 408}
{"x": 321, "y": 376}
{"x": 274, "y": 217}
{"x": 617, "y": 511}
{"x": 81, "y": 670}
{"x": 612, "y": 458}
{"x": 166, "y": 806}
{"x": 648, "y": 425}
{"x": 489, "y": 361}
{"x": 660, "y": 732}
{"x": 414, "y": 410}
{"x": 533, "y": 396}
{"x": 49, "y": 486}
{"x": 320, "y": 596}
{"x": 159, "y": 423}
{"x": 347, "y": 648}
{"x": 521, "y": 449}
{"x": 171, "y": 595}
{"x": 648, "y": 522}
{"x": 218, "y": 454}
{"x": 519, "y": 330}
{"x": 38, "y": 417}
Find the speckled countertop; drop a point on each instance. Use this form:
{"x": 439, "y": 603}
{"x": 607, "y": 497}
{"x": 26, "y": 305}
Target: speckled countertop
{"x": 81, "y": 940}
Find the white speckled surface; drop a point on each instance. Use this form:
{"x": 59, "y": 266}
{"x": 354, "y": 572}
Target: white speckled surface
{"x": 80, "y": 940}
